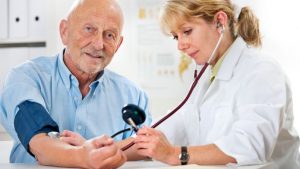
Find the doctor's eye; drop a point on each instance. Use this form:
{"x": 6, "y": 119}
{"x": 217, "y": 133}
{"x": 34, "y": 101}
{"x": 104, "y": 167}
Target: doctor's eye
{"x": 188, "y": 32}
{"x": 175, "y": 37}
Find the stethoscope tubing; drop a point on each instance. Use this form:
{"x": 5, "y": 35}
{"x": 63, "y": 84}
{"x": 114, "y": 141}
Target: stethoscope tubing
{"x": 178, "y": 107}
{"x": 194, "y": 84}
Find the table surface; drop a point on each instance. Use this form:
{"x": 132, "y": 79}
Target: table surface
{"x": 5, "y": 147}
{"x": 143, "y": 165}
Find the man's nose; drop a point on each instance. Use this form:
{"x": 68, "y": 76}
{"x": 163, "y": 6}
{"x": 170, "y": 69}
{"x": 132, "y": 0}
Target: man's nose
{"x": 98, "y": 42}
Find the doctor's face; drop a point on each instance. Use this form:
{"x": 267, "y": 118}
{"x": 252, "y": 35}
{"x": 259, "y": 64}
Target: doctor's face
{"x": 197, "y": 39}
{"x": 91, "y": 35}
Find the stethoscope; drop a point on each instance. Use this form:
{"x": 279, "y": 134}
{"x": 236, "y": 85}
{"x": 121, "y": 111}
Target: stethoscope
{"x": 194, "y": 84}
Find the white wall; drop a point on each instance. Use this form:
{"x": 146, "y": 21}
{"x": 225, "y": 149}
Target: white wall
{"x": 164, "y": 90}
{"x": 10, "y": 57}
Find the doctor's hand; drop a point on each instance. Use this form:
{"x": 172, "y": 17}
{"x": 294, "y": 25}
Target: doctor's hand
{"x": 102, "y": 153}
{"x": 153, "y": 143}
{"x": 72, "y": 138}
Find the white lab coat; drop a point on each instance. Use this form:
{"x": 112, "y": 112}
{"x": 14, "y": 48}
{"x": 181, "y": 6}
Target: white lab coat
{"x": 246, "y": 111}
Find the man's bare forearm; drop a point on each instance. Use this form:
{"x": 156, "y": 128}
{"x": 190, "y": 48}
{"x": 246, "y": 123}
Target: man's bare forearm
{"x": 49, "y": 151}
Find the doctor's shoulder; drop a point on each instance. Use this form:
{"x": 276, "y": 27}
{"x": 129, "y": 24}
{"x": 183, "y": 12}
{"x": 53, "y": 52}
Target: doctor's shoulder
{"x": 257, "y": 61}
{"x": 257, "y": 71}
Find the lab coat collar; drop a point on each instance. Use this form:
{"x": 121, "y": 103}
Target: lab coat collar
{"x": 229, "y": 63}
{"x": 231, "y": 59}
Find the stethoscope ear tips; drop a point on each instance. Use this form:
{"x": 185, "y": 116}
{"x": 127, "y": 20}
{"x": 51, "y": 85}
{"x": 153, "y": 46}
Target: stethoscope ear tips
{"x": 219, "y": 25}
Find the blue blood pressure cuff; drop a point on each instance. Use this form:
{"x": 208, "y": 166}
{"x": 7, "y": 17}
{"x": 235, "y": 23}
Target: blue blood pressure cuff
{"x": 32, "y": 119}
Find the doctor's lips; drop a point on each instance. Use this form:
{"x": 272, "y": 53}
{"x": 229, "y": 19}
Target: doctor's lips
{"x": 193, "y": 54}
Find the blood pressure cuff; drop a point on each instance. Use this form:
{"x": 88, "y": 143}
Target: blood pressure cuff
{"x": 30, "y": 120}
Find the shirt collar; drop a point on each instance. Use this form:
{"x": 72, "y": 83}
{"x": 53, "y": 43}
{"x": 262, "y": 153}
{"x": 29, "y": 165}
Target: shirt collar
{"x": 216, "y": 67}
{"x": 64, "y": 71}
{"x": 67, "y": 76}
{"x": 228, "y": 64}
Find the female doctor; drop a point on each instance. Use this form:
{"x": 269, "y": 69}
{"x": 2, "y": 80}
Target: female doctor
{"x": 241, "y": 109}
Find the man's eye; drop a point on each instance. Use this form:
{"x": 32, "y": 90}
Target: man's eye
{"x": 88, "y": 29}
{"x": 110, "y": 35}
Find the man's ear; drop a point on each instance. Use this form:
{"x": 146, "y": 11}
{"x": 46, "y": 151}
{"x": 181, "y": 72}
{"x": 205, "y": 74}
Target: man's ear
{"x": 63, "y": 31}
{"x": 120, "y": 42}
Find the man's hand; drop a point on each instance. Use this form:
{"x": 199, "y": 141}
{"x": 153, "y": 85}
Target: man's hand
{"x": 103, "y": 153}
{"x": 98, "y": 153}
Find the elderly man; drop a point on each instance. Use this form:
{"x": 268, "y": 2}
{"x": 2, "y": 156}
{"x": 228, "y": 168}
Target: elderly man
{"x": 72, "y": 91}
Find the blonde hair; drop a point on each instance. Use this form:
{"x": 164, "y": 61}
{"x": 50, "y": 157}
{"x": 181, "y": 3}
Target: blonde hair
{"x": 177, "y": 11}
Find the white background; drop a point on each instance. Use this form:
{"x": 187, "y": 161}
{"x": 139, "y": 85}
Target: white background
{"x": 280, "y": 26}
{"x": 280, "y": 29}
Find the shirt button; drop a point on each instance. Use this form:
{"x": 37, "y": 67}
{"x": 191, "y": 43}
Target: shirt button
{"x": 79, "y": 127}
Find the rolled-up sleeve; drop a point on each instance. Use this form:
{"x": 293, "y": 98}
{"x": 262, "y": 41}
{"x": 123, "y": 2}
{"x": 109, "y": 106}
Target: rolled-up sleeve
{"x": 32, "y": 119}
{"x": 18, "y": 87}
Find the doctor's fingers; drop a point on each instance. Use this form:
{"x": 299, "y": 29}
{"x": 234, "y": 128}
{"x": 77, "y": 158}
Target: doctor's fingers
{"x": 148, "y": 131}
{"x": 149, "y": 142}
{"x": 102, "y": 141}
{"x": 149, "y": 150}
{"x": 146, "y": 138}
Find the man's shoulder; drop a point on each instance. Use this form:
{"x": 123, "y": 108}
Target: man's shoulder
{"x": 38, "y": 63}
{"x": 34, "y": 67}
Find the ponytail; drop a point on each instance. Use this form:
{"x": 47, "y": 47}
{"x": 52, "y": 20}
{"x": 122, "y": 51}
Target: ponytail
{"x": 248, "y": 27}
{"x": 245, "y": 26}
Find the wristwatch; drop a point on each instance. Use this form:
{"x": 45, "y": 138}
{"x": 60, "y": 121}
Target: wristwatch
{"x": 184, "y": 156}
{"x": 54, "y": 134}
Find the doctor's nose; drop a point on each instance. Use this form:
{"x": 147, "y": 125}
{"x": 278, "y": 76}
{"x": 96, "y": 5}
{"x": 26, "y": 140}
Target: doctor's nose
{"x": 183, "y": 44}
